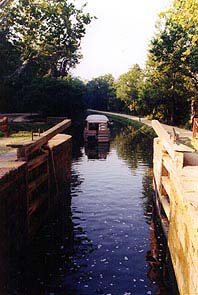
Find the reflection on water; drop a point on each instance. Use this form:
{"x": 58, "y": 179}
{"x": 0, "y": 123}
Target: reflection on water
{"x": 102, "y": 238}
{"x": 98, "y": 150}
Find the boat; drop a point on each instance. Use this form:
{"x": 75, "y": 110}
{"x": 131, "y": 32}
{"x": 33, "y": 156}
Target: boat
{"x": 97, "y": 128}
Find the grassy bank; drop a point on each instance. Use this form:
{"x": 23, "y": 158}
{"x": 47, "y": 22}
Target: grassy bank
{"x": 20, "y": 132}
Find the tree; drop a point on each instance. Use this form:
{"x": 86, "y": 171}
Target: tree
{"x": 46, "y": 34}
{"x": 127, "y": 87}
{"x": 50, "y": 96}
{"x": 185, "y": 13}
{"x": 100, "y": 93}
{"x": 172, "y": 63}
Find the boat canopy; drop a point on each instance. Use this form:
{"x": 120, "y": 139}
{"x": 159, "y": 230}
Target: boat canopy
{"x": 97, "y": 119}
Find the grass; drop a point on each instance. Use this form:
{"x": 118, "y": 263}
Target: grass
{"x": 20, "y": 133}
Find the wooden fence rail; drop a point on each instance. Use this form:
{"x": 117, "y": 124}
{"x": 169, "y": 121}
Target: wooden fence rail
{"x": 4, "y": 126}
{"x": 195, "y": 126}
{"x": 26, "y": 150}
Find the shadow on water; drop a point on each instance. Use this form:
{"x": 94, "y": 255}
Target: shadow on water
{"x": 48, "y": 264}
{"x": 103, "y": 236}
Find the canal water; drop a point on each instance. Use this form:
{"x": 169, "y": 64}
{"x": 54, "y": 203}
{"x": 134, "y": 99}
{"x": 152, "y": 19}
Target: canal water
{"x": 104, "y": 237}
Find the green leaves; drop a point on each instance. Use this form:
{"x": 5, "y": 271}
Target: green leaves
{"x": 100, "y": 93}
{"x": 127, "y": 87}
{"x": 46, "y": 33}
{"x": 172, "y": 64}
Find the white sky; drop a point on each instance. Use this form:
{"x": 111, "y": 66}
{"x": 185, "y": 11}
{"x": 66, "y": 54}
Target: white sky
{"x": 119, "y": 37}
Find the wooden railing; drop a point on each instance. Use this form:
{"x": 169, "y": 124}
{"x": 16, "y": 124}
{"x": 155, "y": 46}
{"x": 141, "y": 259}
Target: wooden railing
{"x": 4, "y": 126}
{"x": 195, "y": 126}
{"x": 26, "y": 150}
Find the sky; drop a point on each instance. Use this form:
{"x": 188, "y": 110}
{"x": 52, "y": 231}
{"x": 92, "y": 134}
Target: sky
{"x": 119, "y": 37}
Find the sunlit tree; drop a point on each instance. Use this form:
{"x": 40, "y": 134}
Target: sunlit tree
{"x": 127, "y": 87}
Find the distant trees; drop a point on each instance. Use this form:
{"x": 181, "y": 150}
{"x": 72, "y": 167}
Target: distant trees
{"x": 167, "y": 89}
{"x": 127, "y": 87}
{"x": 100, "y": 93}
{"x": 40, "y": 42}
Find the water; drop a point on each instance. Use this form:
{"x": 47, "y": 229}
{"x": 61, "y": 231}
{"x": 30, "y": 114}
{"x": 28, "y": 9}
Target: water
{"x": 104, "y": 238}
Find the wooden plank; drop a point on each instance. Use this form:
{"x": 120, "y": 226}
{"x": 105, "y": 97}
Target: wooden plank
{"x": 167, "y": 185}
{"x": 36, "y": 183}
{"x": 165, "y": 205}
{"x": 195, "y": 126}
{"x": 58, "y": 140}
{"x": 32, "y": 164}
{"x": 25, "y": 149}
{"x": 33, "y": 207}
{"x": 167, "y": 142}
{"x": 4, "y": 126}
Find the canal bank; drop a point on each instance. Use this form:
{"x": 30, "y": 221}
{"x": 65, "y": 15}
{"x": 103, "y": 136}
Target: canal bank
{"x": 103, "y": 237}
{"x": 175, "y": 177}
{"x": 175, "y": 182}
{"x": 30, "y": 177}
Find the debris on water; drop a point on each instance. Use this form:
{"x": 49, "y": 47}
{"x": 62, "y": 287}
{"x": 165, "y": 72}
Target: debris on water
{"x": 126, "y": 258}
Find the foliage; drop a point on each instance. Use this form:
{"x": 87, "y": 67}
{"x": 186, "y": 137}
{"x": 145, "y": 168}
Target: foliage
{"x": 171, "y": 82}
{"x": 127, "y": 87}
{"x": 49, "y": 96}
{"x": 39, "y": 43}
{"x": 46, "y": 35}
{"x": 168, "y": 85}
{"x": 100, "y": 93}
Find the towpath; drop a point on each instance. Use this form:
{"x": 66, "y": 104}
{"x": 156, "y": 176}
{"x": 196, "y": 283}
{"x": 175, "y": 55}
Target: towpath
{"x": 183, "y": 133}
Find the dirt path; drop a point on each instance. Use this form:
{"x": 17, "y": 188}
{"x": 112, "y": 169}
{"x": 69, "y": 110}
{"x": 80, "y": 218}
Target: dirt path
{"x": 184, "y": 133}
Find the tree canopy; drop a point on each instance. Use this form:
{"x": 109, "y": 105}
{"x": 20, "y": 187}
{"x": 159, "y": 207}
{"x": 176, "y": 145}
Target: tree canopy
{"x": 45, "y": 34}
{"x": 100, "y": 93}
{"x": 40, "y": 42}
{"x": 127, "y": 87}
{"x": 174, "y": 55}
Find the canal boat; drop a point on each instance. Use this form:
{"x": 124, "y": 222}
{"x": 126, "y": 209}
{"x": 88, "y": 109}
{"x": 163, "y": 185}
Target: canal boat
{"x": 97, "y": 128}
